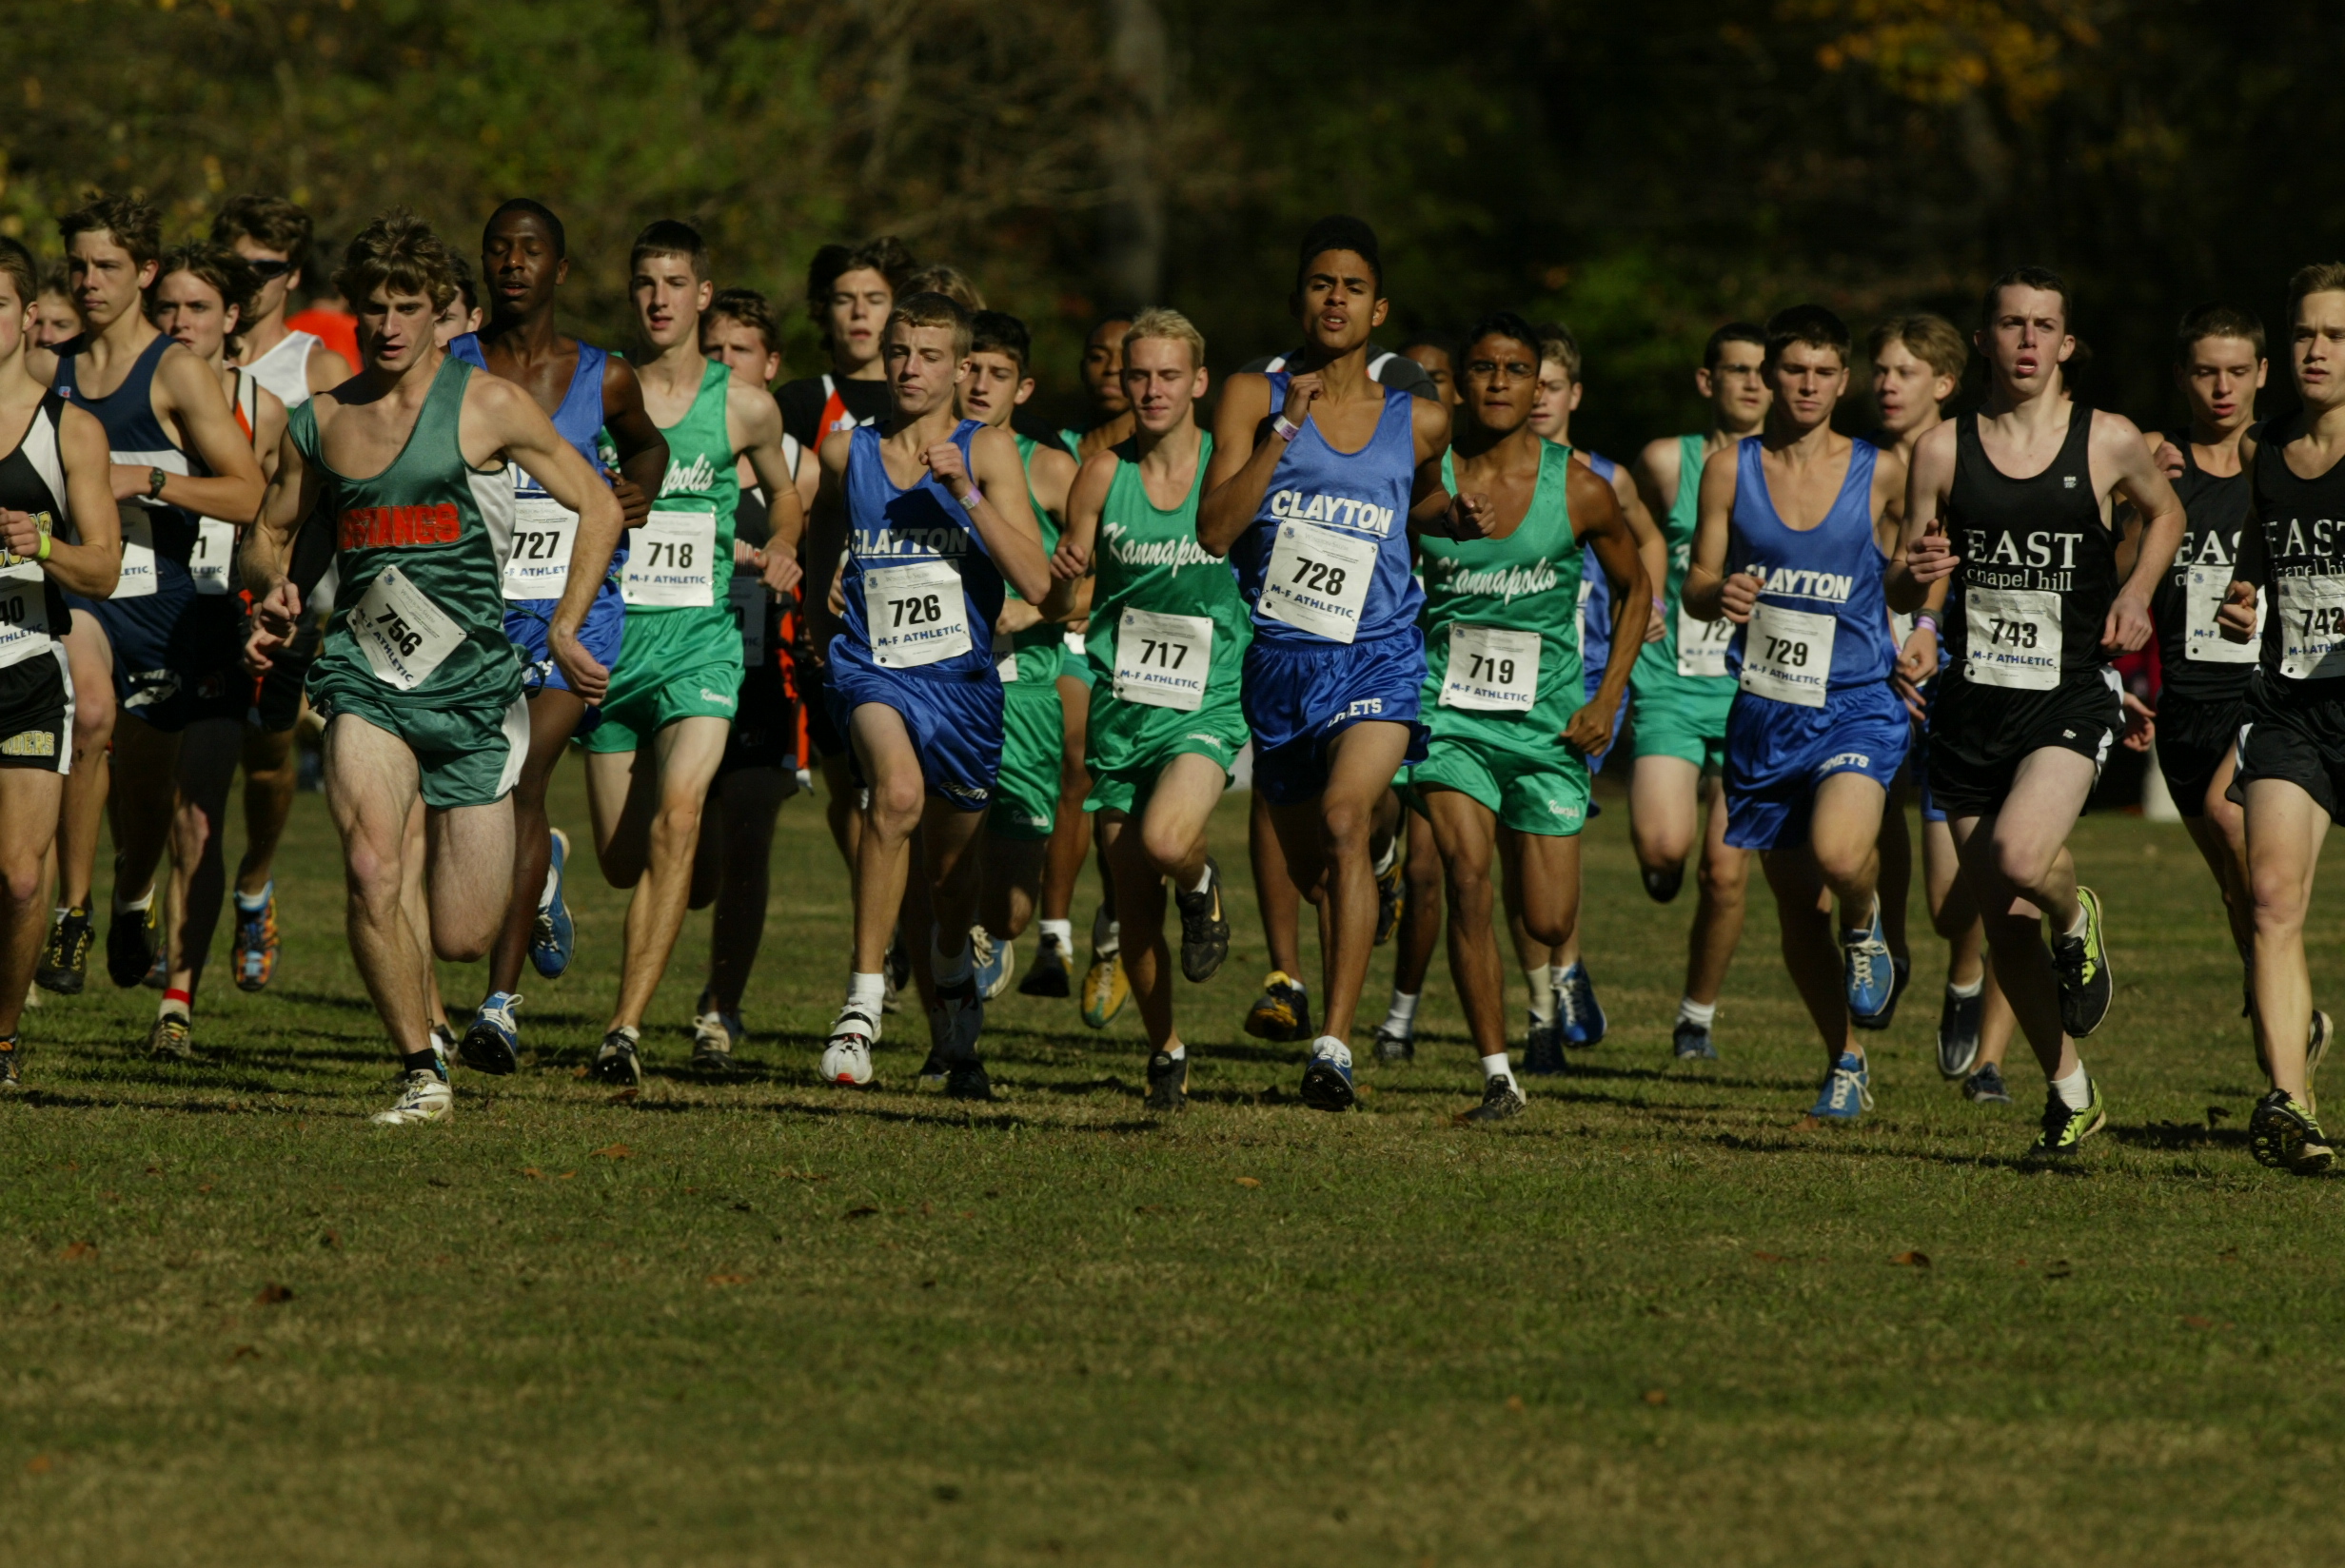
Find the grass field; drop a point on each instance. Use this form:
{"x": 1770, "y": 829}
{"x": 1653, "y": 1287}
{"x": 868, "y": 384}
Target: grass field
{"x": 776, "y": 1323}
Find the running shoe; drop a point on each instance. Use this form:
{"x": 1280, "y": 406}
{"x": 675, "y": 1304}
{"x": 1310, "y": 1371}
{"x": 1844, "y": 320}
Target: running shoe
{"x": 158, "y": 975}
{"x": 955, "y": 1022}
{"x": 254, "y": 953}
{"x": 553, "y": 936}
{"x": 1847, "y": 1091}
{"x": 2083, "y": 965}
{"x": 1501, "y": 1101}
{"x": 621, "y": 1060}
{"x": 1204, "y": 934}
{"x": 133, "y": 940}
{"x": 1957, "y": 1032}
{"x": 444, "y": 1043}
{"x": 65, "y": 957}
{"x": 966, "y": 1080}
{"x": 492, "y": 1042}
{"x": 424, "y": 1096}
{"x": 173, "y": 1038}
{"x": 8, "y": 1053}
{"x": 1692, "y": 1041}
{"x": 896, "y": 966}
{"x": 1282, "y": 1012}
{"x": 2064, "y": 1130}
{"x": 1866, "y": 973}
{"x": 2316, "y": 1047}
{"x": 1106, "y": 987}
{"x": 1577, "y": 1013}
{"x": 1327, "y": 1077}
{"x": 1168, "y": 1081}
{"x": 992, "y": 962}
{"x": 715, "y": 1033}
{"x": 1986, "y": 1087}
{"x": 2284, "y": 1135}
{"x": 1392, "y": 893}
{"x": 846, "y": 1058}
{"x": 1395, "y": 1045}
{"x": 1048, "y": 976}
{"x": 1543, "y": 1050}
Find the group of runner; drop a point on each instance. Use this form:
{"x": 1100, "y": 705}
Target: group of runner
{"x": 1391, "y": 576}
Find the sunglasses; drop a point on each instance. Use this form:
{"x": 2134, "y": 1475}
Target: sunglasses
{"x": 267, "y": 269}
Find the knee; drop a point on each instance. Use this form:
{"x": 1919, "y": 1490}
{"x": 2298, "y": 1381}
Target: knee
{"x": 1164, "y": 850}
{"x": 461, "y": 947}
{"x": 93, "y": 719}
{"x": 896, "y": 803}
{"x": 2278, "y": 892}
{"x": 1469, "y": 889}
{"x": 2021, "y": 866}
{"x": 1345, "y": 825}
{"x": 22, "y": 885}
{"x": 1721, "y": 878}
{"x": 679, "y": 821}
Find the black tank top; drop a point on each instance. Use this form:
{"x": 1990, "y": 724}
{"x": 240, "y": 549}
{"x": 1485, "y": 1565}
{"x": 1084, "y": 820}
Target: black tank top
{"x": 2215, "y": 507}
{"x": 2033, "y": 536}
{"x": 32, "y": 480}
{"x": 137, "y": 438}
{"x": 2304, "y": 568}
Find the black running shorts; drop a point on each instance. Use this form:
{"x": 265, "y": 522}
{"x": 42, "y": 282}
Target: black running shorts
{"x": 2294, "y": 737}
{"x": 1980, "y": 735}
{"x": 2193, "y": 736}
{"x": 764, "y": 731}
{"x": 36, "y": 713}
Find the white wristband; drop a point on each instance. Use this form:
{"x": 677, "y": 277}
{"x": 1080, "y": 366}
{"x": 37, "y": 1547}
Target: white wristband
{"x": 968, "y": 500}
{"x": 1285, "y": 429}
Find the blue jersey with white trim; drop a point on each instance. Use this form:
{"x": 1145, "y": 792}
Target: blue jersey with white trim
{"x": 1595, "y": 592}
{"x": 887, "y": 526}
{"x": 1835, "y": 568}
{"x": 136, "y": 439}
{"x": 579, "y": 421}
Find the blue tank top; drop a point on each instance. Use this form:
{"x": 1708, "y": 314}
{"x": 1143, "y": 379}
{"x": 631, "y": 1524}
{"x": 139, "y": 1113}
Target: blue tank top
{"x": 888, "y": 527}
{"x": 1361, "y": 496}
{"x": 136, "y": 436}
{"x": 1595, "y": 592}
{"x": 1834, "y": 569}
{"x": 579, "y": 421}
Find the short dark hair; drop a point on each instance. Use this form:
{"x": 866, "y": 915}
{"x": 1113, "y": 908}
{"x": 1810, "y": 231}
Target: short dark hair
{"x": 930, "y": 308}
{"x": 670, "y": 237}
{"x": 230, "y": 275}
{"x": 270, "y": 222}
{"x": 749, "y": 307}
{"x": 536, "y": 210}
{"x": 2041, "y": 278}
{"x": 886, "y": 255}
{"x": 1811, "y": 325}
{"x": 397, "y": 251}
{"x": 17, "y": 263}
{"x": 467, "y": 289}
{"x": 1339, "y": 231}
{"x": 1447, "y": 342}
{"x": 1500, "y": 323}
{"x": 59, "y": 278}
{"x": 2319, "y": 277}
{"x": 133, "y": 222}
{"x": 998, "y": 332}
{"x": 1749, "y": 332}
{"x": 2216, "y": 320}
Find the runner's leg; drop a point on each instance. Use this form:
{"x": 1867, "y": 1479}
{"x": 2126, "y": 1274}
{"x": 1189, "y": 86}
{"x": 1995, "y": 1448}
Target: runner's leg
{"x": 2018, "y": 863}
{"x": 272, "y": 774}
{"x": 1467, "y": 831}
{"x": 208, "y": 757}
{"x": 2220, "y": 834}
{"x": 29, "y": 798}
{"x": 82, "y": 811}
{"x": 1327, "y": 841}
{"x": 554, "y": 716}
{"x": 683, "y": 757}
{"x": 1717, "y": 915}
{"x": 1664, "y": 818}
{"x": 2286, "y": 827}
{"x": 748, "y": 800}
{"x": 371, "y": 783}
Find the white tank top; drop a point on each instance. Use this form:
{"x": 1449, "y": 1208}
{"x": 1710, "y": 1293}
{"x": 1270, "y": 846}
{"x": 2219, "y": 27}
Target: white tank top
{"x": 285, "y": 369}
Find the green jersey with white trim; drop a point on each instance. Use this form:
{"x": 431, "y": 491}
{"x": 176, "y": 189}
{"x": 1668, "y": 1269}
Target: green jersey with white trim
{"x": 1502, "y": 621}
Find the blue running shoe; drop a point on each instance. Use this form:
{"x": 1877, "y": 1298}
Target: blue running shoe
{"x": 991, "y": 962}
{"x": 1692, "y": 1041}
{"x": 1327, "y": 1080}
{"x": 493, "y": 1042}
{"x": 1847, "y": 1091}
{"x": 1581, "y": 1014}
{"x": 554, "y": 935}
{"x": 1870, "y": 976}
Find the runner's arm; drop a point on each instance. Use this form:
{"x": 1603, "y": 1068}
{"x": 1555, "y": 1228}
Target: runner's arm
{"x": 193, "y": 400}
{"x": 1925, "y": 557}
{"x": 268, "y": 546}
{"x": 1652, "y": 550}
{"x": 826, "y": 540}
{"x": 326, "y": 368}
{"x": 1240, "y": 472}
{"x": 2114, "y": 438}
{"x": 1070, "y": 563}
{"x": 1602, "y": 522}
{"x": 995, "y": 497}
{"x": 1708, "y": 594}
{"x": 757, "y": 437}
{"x": 91, "y": 566}
{"x": 268, "y": 419}
{"x": 2250, "y": 566}
{"x": 643, "y": 450}
{"x": 518, "y": 428}
{"x": 1051, "y": 477}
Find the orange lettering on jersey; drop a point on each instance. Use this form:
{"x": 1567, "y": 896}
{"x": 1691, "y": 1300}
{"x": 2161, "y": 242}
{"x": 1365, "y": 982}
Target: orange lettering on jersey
{"x": 386, "y": 527}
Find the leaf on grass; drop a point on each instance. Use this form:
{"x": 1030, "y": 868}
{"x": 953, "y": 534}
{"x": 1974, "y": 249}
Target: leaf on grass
{"x": 2060, "y": 1270}
{"x": 206, "y": 1187}
{"x": 1768, "y": 1257}
{"x": 728, "y": 1279}
{"x": 578, "y": 1072}
{"x": 273, "y": 1294}
{"x": 790, "y": 1175}
{"x": 2191, "y": 1320}
{"x": 1655, "y": 1396}
{"x": 862, "y": 1212}
{"x": 623, "y": 1096}
{"x": 532, "y": 1172}
{"x": 332, "y": 1238}
{"x": 565, "y": 1175}
{"x": 154, "y": 1170}
{"x": 1514, "y": 1401}
{"x": 39, "y": 1464}
{"x": 243, "y": 1353}
{"x": 1248, "y": 1181}
{"x": 1150, "y": 1208}
{"x": 2214, "y": 1115}
{"x": 1912, "y": 1259}
{"x": 615, "y": 1151}
{"x": 1364, "y": 1090}
{"x": 81, "y": 1249}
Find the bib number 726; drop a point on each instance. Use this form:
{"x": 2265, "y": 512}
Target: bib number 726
{"x": 925, "y": 610}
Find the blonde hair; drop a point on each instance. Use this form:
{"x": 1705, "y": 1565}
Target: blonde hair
{"x": 1158, "y": 322}
{"x": 930, "y": 308}
{"x": 1933, "y": 340}
{"x": 400, "y": 254}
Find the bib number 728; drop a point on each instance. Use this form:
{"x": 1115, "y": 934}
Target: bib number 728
{"x": 1319, "y": 577}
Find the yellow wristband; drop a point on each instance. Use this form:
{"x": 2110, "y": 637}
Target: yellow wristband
{"x": 42, "y": 554}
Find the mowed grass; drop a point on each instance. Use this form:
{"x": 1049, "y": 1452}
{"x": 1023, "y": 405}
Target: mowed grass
{"x": 778, "y": 1322}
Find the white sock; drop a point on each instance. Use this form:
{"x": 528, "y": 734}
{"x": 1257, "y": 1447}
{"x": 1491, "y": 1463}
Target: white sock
{"x": 2084, "y": 918}
{"x": 1330, "y": 1047}
{"x": 1402, "y": 1019}
{"x": 1541, "y": 979}
{"x": 1391, "y": 853}
{"x": 60, "y": 913}
{"x": 140, "y": 903}
{"x": 1060, "y": 931}
{"x": 950, "y": 969}
{"x": 1177, "y": 1051}
{"x": 1107, "y": 934}
{"x": 1205, "y": 880}
{"x": 545, "y": 894}
{"x": 1697, "y": 1013}
{"x": 1560, "y": 975}
{"x": 254, "y": 905}
{"x": 1495, "y": 1066}
{"x": 2076, "y": 1091}
{"x": 867, "y": 991}
{"x": 1965, "y": 992}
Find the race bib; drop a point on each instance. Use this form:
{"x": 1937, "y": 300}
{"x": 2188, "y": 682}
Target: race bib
{"x": 1005, "y": 655}
{"x": 1702, "y": 644}
{"x": 670, "y": 561}
{"x": 1163, "y": 661}
{"x": 2203, "y": 641}
{"x": 749, "y": 600}
{"x": 1491, "y": 670}
{"x": 403, "y": 635}
{"x": 1787, "y": 654}
{"x": 24, "y": 615}
{"x": 1318, "y": 581}
{"x": 916, "y": 615}
{"x": 138, "y": 553}
{"x": 543, "y": 533}
{"x": 2013, "y": 637}
{"x": 2312, "y": 627}
{"x": 1901, "y": 628}
{"x": 215, "y": 555}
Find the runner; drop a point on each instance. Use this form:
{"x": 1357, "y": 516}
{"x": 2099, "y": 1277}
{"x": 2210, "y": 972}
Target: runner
{"x": 1797, "y": 528}
{"x": 1315, "y": 475}
{"x": 1028, "y": 644}
{"x": 677, "y": 687}
{"x": 275, "y": 237}
{"x": 1435, "y": 354}
{"x": 1918, "y": 364}
{"x": 2290, "y": 756}
{"x": 932, "y": 514}
{"x": 760, "y": 769}
{"x": 1169, "y": 643}
{"x": 590, "y": 394}
{"x": 420, "y": 688}
{"x": 201, "y": 294}
{"x": 1682, "y": 691}
{"x": 179, "y": 455}
{"x": 1505, "y": 776}
{"x": 57, "y": 535}
{"x": 464, "y": 313}
{"x": 55, "y": 318}
{"x": 2028, "y": 705}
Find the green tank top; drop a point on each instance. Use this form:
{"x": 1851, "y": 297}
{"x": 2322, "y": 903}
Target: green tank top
{"x": 1526, "y": 584}
{"x": 1148, "y": 558}
{"x": 1038, "y": 646}
{"x": 1677, "y": 537}
{"x": 447, "y": 526}
{"x": 704, "y": 473}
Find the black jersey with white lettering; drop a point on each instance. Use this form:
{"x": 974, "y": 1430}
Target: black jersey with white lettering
{"x": 2302, "y": 567}
{"x": 2202, "y": 666}
{"x": 32, "y": 480}
{"x": 2023, "y": 538}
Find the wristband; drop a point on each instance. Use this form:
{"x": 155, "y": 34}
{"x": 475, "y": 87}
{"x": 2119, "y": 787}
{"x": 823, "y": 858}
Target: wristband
{"x": 1285, "y": 429}
{"x": 156, "y": 478}
{"x": 42, "y": 554}
{"x": 1929, "y": 618}
{"x": 969, "y": 502}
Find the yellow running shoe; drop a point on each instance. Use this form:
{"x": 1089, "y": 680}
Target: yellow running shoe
{"x": 1282, "y": 1012}
{"x": 1106, "y": 987}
